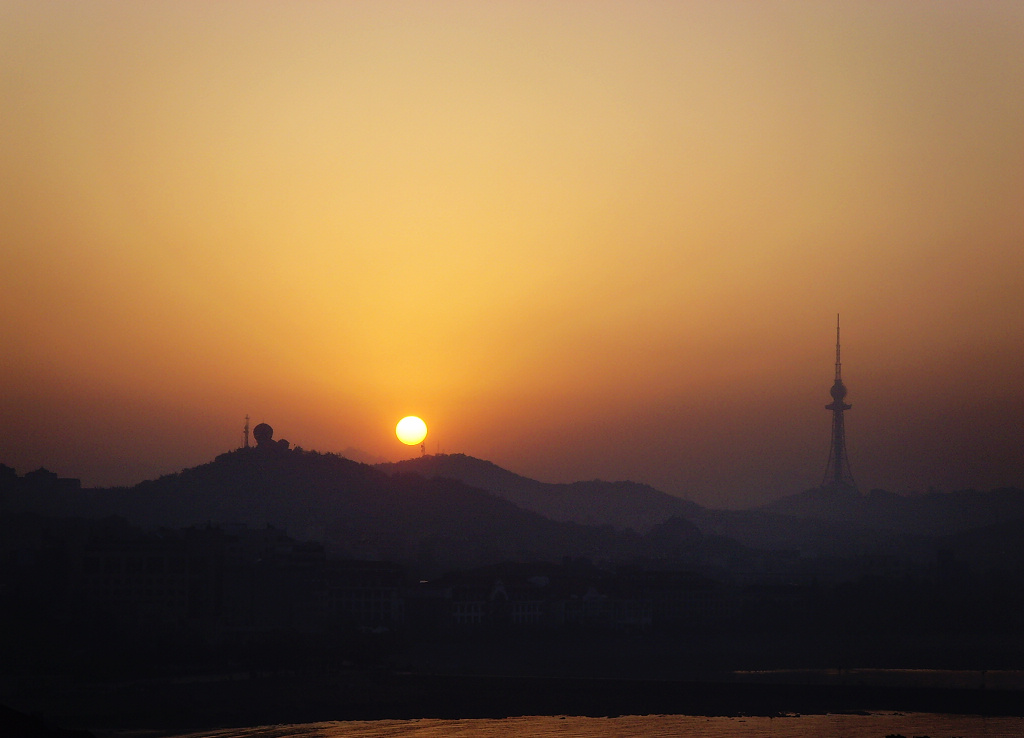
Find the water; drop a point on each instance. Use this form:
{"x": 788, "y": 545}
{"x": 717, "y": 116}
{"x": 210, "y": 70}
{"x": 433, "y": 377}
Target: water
{"x": 870, "y": 725}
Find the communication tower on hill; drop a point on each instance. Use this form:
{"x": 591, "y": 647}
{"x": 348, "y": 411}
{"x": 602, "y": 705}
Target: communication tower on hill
{"x": 245, "y": 433}
{"x": 837, "y": 471}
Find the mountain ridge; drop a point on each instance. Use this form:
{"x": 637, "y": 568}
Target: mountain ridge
{"x": 816, "y": 521}
{"x": 624, "y": 505}
{"x": 450, "y": 509}
{"x": 356, "y": 510}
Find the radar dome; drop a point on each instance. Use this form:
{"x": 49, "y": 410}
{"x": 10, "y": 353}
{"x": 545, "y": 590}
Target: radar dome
{"x": 838, "y": 390}
{"x": 263, "y": 433}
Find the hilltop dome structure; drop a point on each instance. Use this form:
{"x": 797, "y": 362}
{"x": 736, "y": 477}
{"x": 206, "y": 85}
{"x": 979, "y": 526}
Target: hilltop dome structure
{"x": 263, "y": 434}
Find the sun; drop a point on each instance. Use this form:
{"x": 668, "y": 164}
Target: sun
{"x": 411, "y": 430}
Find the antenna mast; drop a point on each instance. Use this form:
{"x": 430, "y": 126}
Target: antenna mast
{"x": 245, "y": 433}
{"x": 839, "y": 365}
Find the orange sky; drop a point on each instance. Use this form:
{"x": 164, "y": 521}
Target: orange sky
{"x": 581, "y": 240}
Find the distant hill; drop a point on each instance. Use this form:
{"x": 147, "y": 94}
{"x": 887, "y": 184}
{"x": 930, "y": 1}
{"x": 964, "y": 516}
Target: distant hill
{"x": 847, "y": 523}
{"x": 622, "y": 505}
{"x": 935, "y": 513}
{"x": 355, "y": 509}
{"x": 639, "y": 507}
{"x": 449, "y": 511}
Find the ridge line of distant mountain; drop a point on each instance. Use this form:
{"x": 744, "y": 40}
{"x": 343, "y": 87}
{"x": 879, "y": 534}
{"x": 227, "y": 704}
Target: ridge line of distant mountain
{"x": 624, "y": 505}
{"x": 641, "y": 507}
{"x": 444, "y": 502}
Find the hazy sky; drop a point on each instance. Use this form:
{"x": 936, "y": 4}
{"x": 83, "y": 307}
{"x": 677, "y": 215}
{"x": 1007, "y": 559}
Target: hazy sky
{"x": 580, "y": 239}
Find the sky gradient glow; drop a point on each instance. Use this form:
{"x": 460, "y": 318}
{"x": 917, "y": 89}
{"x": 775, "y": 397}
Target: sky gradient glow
{"x": 581, "y": 240}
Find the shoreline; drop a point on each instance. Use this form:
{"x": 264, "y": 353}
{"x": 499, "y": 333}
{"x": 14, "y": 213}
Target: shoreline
{"x": 168, "y": 706}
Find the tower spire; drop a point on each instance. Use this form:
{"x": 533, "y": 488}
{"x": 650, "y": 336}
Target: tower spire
{"x": 837, "y": 471}
{"x": 839, "y": 365}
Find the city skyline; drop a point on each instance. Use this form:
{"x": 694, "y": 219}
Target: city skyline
{"x": 603, "y": 241}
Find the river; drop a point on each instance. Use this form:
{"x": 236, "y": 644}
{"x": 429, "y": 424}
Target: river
{"x": 866, "y": 725}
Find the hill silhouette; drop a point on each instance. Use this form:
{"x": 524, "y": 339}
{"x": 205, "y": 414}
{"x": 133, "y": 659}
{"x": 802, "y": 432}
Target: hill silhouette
{"x": 622, "y": 505}
{"x": 934, "y": 513}
{"x": 456, "y": 510}
{"x": 356, "y": 510}
{"x": 811, "y": 521}
{"x": 817, "y": 521}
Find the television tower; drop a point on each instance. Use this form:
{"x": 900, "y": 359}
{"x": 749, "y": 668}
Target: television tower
{"x": 837, "y": 472}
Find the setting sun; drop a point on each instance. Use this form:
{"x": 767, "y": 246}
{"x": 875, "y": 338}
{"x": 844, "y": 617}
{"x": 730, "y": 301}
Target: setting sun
{"x": 411, "y": 430}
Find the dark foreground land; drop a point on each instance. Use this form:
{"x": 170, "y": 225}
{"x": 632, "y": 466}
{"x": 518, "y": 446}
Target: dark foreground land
{"x": 242, "y": 700}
